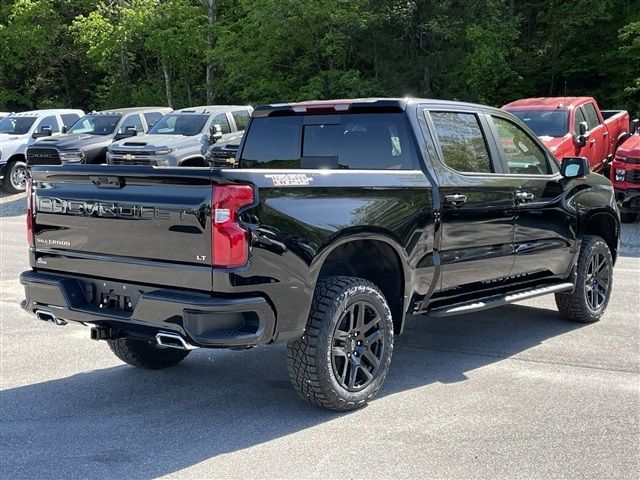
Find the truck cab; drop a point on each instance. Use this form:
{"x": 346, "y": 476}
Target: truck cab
{"x": 625, "y": 175}
{"x": 181, "y": 138}
{"x": 574, "y": 127}
{"x": 18, "y": 131}
{"x": 87, "y": 140}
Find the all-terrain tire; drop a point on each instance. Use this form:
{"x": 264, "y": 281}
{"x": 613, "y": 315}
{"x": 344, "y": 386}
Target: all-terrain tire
{"x": 576, "y": 306}
{"x": 139, "y": 353}
{"x": 313, "y": 365}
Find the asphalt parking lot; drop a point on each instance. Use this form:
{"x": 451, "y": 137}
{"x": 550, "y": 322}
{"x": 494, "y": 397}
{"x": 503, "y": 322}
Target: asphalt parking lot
{"x": 508, "y": 393}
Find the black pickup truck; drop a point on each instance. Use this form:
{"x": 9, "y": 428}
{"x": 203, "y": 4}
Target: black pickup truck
{"x": 340, "y": 219}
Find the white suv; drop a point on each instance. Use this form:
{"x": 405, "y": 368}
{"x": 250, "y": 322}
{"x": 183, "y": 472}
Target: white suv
{"x": 19, "y": 130}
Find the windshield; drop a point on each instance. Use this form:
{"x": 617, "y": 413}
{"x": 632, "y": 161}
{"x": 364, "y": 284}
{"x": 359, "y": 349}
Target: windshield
{"x": 96, "y": 124}
{"x": 552, "y": 123}
{"x": 16, "y": 125}
{"x": 180, "y": 124}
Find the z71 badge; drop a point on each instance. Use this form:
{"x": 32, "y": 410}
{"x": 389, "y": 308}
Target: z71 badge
{"x": 281, "y": 179}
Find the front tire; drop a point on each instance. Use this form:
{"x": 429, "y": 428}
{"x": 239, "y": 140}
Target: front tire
{"x": 15, "y": 180}
{"x": 343, "y": 358}
{"x": 594, "y": 279}
{"x": 142, "y": 354}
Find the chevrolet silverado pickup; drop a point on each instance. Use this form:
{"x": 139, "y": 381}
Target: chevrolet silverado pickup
{"x": 341, "y": 218}
{"x": 625, "y": 175}
{"x": 88, "y": 139}
{"x": 574, "y": 126}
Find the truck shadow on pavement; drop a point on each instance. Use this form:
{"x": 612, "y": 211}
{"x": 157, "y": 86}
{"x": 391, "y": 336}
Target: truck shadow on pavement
{"x": 122, "y": 422}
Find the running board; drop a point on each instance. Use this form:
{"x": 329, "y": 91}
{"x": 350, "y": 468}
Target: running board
{"x": 498, "y": 300}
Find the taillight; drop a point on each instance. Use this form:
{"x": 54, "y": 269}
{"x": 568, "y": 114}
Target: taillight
{"x": 230, "y": 242}
{"x": 30, "y": 237}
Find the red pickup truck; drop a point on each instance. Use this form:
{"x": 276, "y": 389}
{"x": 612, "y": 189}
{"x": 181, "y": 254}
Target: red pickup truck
{"x": 574, "y": 127}
{"x": 625, "y": 175}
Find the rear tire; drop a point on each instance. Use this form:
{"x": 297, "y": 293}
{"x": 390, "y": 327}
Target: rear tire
{"x": 15, "y": 179}
{"x": 343, "y": 358}
{"x": 628, "y": 217}
{"x": 594, "y": 280}
{"x": 139, "y": 353}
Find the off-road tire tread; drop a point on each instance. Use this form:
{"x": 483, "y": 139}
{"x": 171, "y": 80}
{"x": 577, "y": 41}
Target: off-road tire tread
{"x": 573, "y": 305}
{"x": 139, "y": 353}
{"x": 302, "y": 358}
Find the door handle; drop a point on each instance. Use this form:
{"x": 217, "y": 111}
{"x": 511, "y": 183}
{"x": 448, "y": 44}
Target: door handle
{"x": 456, "y": 199}
{"x": 525, "y": 196}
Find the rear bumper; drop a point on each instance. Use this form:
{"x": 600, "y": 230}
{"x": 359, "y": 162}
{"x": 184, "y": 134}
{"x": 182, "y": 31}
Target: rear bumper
{"x": 203, "y": 320}
{"x": 3, "y": 167}
{"x": 628, "y": 200}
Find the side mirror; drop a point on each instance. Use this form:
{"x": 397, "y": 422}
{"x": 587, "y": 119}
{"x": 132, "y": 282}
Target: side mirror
{"x": 583, "y": 128}
{"x": 45, "y": 131}
{"x": 65, "y": 129}
{"x": 583, "y": 136}
{"x": 574, "y": 167}
{"x": 635, "y": 126}
{"x": 129, "y": 132}
{"x": 216, "y": 133}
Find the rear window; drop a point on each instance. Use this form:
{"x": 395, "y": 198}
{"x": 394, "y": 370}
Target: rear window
{"x": 352, "y": 141}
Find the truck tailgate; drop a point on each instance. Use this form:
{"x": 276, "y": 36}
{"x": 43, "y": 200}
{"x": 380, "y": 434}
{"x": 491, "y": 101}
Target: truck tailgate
{"x": 125, "y": 223}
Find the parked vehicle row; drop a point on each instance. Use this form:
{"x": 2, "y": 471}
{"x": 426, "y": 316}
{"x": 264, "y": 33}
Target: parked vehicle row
{"x": 163, "y": 137}
{"x": 339, "y": 220}
{"x": 20, "y": 130}
{"x": 89, "y": 138}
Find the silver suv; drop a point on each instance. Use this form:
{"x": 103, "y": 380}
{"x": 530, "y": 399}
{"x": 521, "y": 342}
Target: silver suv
{"x": 181, "y": 138}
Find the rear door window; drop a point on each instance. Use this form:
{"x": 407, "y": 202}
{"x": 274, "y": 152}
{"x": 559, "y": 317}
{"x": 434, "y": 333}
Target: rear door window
{"x": 350, "y": 141}
{"x": 462, "y": 142}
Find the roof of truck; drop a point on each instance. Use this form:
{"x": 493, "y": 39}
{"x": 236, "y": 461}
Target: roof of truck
{"x": 50, "y": 111}
{"x": 361, "y": 104}
{"x": 212, "y": 108}
{"x": 548, "y": 103}
{"x": 122, "y": 111}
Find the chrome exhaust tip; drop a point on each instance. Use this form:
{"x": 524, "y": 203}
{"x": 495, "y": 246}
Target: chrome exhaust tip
{"x": 173, "y": 340}
{"x": 47, "y": 316}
